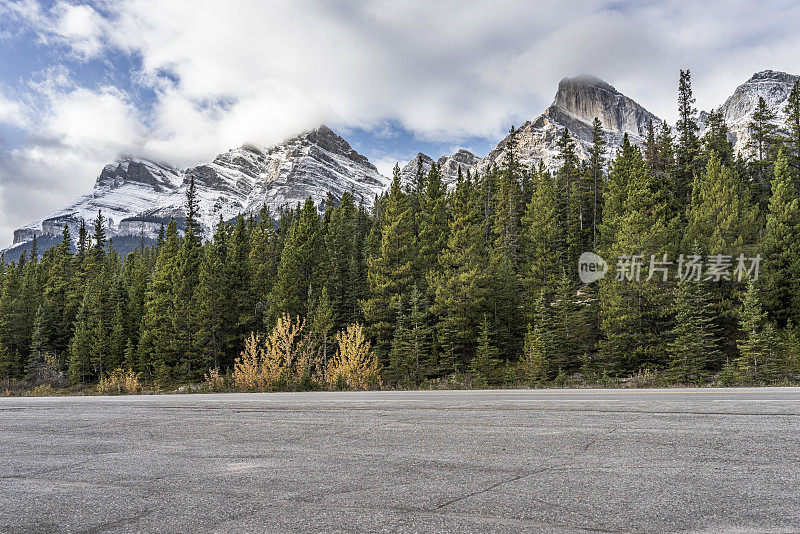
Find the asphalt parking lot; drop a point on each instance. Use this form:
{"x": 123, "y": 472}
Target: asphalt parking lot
{"x": 468, "y": 461}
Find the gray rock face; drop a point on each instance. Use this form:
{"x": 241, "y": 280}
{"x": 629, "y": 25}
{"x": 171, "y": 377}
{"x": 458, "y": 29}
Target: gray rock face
{"x": 421, "y": 161}
{"x": 576, "y": 104}
{"x": 586, "y": 97}
{"x": 449, "y": 165}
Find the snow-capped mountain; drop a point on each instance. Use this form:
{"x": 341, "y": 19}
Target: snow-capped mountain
{"x": 448, "y": 165}
{"x": 137, "y": 195}
{"x": 739, "y": 108}
{"x": 577, "y": 102}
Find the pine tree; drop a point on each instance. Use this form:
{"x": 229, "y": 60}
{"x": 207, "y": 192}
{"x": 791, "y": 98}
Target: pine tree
{"x": 99, "y": 238}
{"x": 400, "y": 367}
{"x": 543, "y": 244}
{"x": 636, "y": 221}
{"x": 793, "y": 124}
{"x": 264, "y": 258}
{"x": 715, "y": 140}
{"x": 418, "y": 342}
{"x": 300, "y": 271}
{"x": 214, "y": 335}
{"x": 187, "y": 280}
{"x": 158, "y": 334}
{"x": 390, "y": 270}
{"x": 763, "y": 143}
{"x": 597, "y": 162}
{"x": 241, "y": 320}
{"x": 567, "y": 326}
{"x": 694, "y": 340}
{"x": 505, "y": 294}
{"x": 720, "y": 216}
{"x": 322, "y": 325}
{"x": 780, "y": 248}
{"x": 461, "y": 290}
{"x": 568, "y": 199}
{"x": 486, "y": 360}
{"x": 433, "y": 228}
{"x": 538, "y": 343}
{"x": 80, "y": 347}
{"x": 758, "y": 347}
{"x": 688, "y": 142}
{"x": 341, "y": 242}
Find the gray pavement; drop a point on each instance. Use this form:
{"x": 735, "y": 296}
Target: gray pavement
{"x": 468, "y": 461}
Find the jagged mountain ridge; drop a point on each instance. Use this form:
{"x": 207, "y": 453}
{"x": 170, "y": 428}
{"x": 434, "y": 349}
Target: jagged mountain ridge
{"x": 137, "y": 195}
{"x": 448, "y": 165}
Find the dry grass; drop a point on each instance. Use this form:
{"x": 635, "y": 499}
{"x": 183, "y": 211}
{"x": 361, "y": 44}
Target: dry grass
{"x": 213, "y": 381}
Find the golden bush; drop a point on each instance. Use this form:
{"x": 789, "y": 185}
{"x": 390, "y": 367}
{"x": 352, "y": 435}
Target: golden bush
{"x": 119, "y": 382}
{"x": 247, "y": 369}
{"x": 355, "y": 365}
{"x": 282, "y": 360}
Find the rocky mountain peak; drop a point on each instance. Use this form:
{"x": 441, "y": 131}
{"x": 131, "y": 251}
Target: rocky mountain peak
{"x": 585, "y": 97}
{"x": 773, "y": 86}
{"x": 330, "y": 141}
{"x": 129, "y": 170}
{"x": 772, "y": 75}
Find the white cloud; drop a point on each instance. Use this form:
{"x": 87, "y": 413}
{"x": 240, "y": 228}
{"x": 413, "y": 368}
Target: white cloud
{"x": 81, "y": 27}
{"x": 12, "y": 112}
{"x": 77, "y": 133}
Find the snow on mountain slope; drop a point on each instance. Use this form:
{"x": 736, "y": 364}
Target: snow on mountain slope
{"x": 738, "y": 109}
{"x": 137, "y": 195}
{"x": 125, "y": 187}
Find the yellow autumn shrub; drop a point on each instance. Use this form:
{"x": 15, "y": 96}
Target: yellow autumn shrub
{"x": 355, "y": 365}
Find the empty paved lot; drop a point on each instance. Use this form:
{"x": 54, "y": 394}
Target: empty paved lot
{"x": 563, "y": 461}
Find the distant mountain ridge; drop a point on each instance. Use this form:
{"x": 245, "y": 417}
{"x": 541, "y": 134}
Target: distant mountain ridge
{"x": 138, "y": 195}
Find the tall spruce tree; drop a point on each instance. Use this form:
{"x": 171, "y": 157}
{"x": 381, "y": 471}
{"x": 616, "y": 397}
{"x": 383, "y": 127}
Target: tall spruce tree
{"x": 688, "y": 142}
{"x": 763, "y": 144}
{"x": 720, "y": 216}
{"x": 597, "y": 154}
{"x": 793, "y": 125}
{"x": 461, "y": 290}
{"x": 694, "y": 341}
{"x": 759, "y": 345}
{"x": 780, "y": 248}
{"x": 391, "y": 269}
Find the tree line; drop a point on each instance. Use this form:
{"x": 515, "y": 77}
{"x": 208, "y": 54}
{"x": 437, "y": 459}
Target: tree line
{"x": 474, "y": 282}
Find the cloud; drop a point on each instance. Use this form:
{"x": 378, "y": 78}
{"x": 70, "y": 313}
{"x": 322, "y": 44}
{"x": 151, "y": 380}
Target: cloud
{"x": 225, "y": 73}
{"x": 12, "y": 112}
{"x": 77, "y": 132}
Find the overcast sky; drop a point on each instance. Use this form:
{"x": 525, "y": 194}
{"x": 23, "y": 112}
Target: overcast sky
{"x": 180, "y": 81}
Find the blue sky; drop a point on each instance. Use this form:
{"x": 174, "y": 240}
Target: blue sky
{"x": 82, "y": 83}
